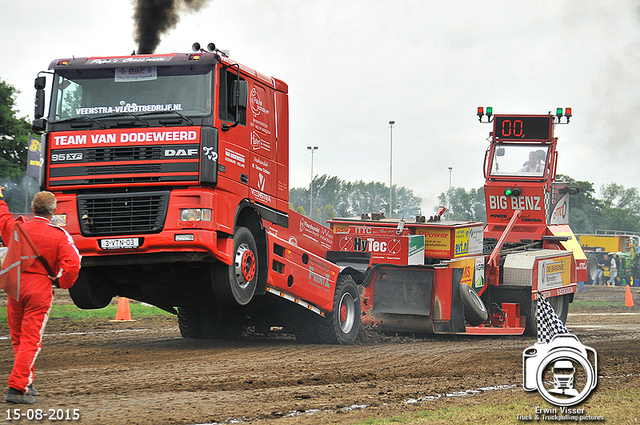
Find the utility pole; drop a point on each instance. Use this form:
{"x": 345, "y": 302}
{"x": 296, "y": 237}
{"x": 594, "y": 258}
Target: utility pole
{"x": 391, "y": 123}
{"x": 312, "y": 149}
{"x": 449, "y": 192}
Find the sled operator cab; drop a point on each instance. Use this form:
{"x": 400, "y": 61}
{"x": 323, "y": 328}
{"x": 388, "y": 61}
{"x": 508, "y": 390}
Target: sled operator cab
{"x": 520, "y": 174}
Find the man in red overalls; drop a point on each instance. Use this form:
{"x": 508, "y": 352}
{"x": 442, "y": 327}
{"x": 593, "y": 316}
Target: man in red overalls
{"x": 28, "y": 316}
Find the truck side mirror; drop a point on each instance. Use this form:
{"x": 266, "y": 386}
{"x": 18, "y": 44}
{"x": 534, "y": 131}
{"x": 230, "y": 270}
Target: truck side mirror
{"x": 38, "y": 111}
{"x": 240, "y": 94}
{"x": 40, "y": 83}
{"x": 239, "y": 99}
{"x": 39, "y": 125}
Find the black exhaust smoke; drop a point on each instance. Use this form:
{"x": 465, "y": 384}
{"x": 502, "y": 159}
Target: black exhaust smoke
{"x": 155, "y": 17}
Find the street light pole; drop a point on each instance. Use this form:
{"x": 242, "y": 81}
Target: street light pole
{"x": 312, "y": 149}
{"x": 391, "y": 123}
{"x": 449, "y": 192}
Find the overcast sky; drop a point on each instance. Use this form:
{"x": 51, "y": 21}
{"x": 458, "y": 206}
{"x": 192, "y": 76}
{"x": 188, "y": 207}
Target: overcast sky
{"x": 352, "y": 66}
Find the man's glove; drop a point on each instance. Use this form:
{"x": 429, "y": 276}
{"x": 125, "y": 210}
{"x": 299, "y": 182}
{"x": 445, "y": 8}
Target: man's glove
{"x": 54, "y": 281}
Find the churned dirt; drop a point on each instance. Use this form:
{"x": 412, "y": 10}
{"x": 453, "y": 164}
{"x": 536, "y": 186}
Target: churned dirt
{"x": 144, "y": 372}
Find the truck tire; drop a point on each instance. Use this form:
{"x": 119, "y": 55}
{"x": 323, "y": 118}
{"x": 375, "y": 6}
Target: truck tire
{"x": 218, "y": 326}
{"x": 304, "y": 325}
{"x": 475, "y": 312}
{"x": 88, "y": 293}
{"x": 342, "y": 324}
{"x": 560, "y": 305}
{"x": 236, "y": 284}
{"x": 189, "y": 322}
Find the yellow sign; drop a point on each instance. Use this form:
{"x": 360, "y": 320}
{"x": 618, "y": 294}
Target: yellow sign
{"x": 461, "y": 248}
{"x": 436, "y": 242}
{"x": 468, "y": 265}
{"x": 340, "y": 228}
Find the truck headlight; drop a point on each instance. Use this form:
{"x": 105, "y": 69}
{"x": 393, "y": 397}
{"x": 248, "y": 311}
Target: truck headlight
{"x": 59, "y": 220}
{"x": 195, "y": 214}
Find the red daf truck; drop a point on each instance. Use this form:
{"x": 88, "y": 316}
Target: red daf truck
{"x": 469, "y": 279}
{"x": 171, "y": 174}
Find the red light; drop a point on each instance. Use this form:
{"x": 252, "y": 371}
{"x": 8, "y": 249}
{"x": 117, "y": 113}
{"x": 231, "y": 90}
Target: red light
{"x": 567, "y": 112}
{"x": 480, "y": 110}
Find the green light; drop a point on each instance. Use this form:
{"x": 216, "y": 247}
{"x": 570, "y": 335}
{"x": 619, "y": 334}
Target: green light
{"x": 559, "y": 112}
{"x": 489, "y": 110}
{"x": 508, "y": 191}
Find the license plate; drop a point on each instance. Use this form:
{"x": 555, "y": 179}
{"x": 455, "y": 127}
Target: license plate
{"x": 122, "y": 243}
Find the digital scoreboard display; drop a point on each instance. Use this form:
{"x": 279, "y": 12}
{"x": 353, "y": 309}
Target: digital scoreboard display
{"x": 514, "y": 127}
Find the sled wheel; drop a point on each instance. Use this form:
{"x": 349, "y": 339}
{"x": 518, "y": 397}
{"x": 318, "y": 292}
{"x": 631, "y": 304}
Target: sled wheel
{"x": 560, "y": 305}
{"x": 341, "y": 325}
{"x": 475, "y": 312}
{"x": 236, "y": 284}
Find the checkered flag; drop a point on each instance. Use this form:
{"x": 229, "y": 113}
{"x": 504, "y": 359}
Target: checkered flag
{"x": 549, "y": 324}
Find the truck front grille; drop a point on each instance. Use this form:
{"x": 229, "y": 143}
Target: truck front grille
{"x": 122, "y": 213}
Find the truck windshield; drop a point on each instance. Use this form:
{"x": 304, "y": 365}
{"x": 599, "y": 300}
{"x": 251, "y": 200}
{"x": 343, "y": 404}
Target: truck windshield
{"x": 519, "y": 160}
{"x": 99, "y": 93}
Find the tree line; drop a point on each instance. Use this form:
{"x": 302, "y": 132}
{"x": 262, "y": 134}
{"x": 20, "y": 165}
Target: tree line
{"x": 333, "y": 197}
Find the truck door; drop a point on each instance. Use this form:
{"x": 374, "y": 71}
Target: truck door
{"x": 262, "y": 151}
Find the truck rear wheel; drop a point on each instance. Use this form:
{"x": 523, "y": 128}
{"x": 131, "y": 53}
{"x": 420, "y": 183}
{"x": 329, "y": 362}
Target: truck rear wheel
{"x": 90, "y": 292}
{"x": 236, "y": 284}
{"x": 219, "y": 326}
{"x": 304, "y": 325}
{"x": 189, "y": 322}
{"x": 341, "y": 326}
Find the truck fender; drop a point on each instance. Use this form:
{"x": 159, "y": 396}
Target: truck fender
{"x": 249, "y": 216}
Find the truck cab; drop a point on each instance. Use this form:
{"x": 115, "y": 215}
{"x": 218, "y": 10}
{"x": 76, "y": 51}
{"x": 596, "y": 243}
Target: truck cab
{"x": 171, "y": 174}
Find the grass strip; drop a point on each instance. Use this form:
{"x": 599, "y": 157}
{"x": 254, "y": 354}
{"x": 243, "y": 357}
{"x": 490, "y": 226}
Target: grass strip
{"x": 612, "y": 406}
{"x": 577, "y": 304}
{"x": 109, "y": 312}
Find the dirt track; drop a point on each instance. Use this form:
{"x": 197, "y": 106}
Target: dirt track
{"x": 144, "y": 372}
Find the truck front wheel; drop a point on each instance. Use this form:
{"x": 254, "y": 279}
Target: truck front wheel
{"x": 236, "y": 284}
{"x": 90, "y": 292}
{"x": 341, "y": 326}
